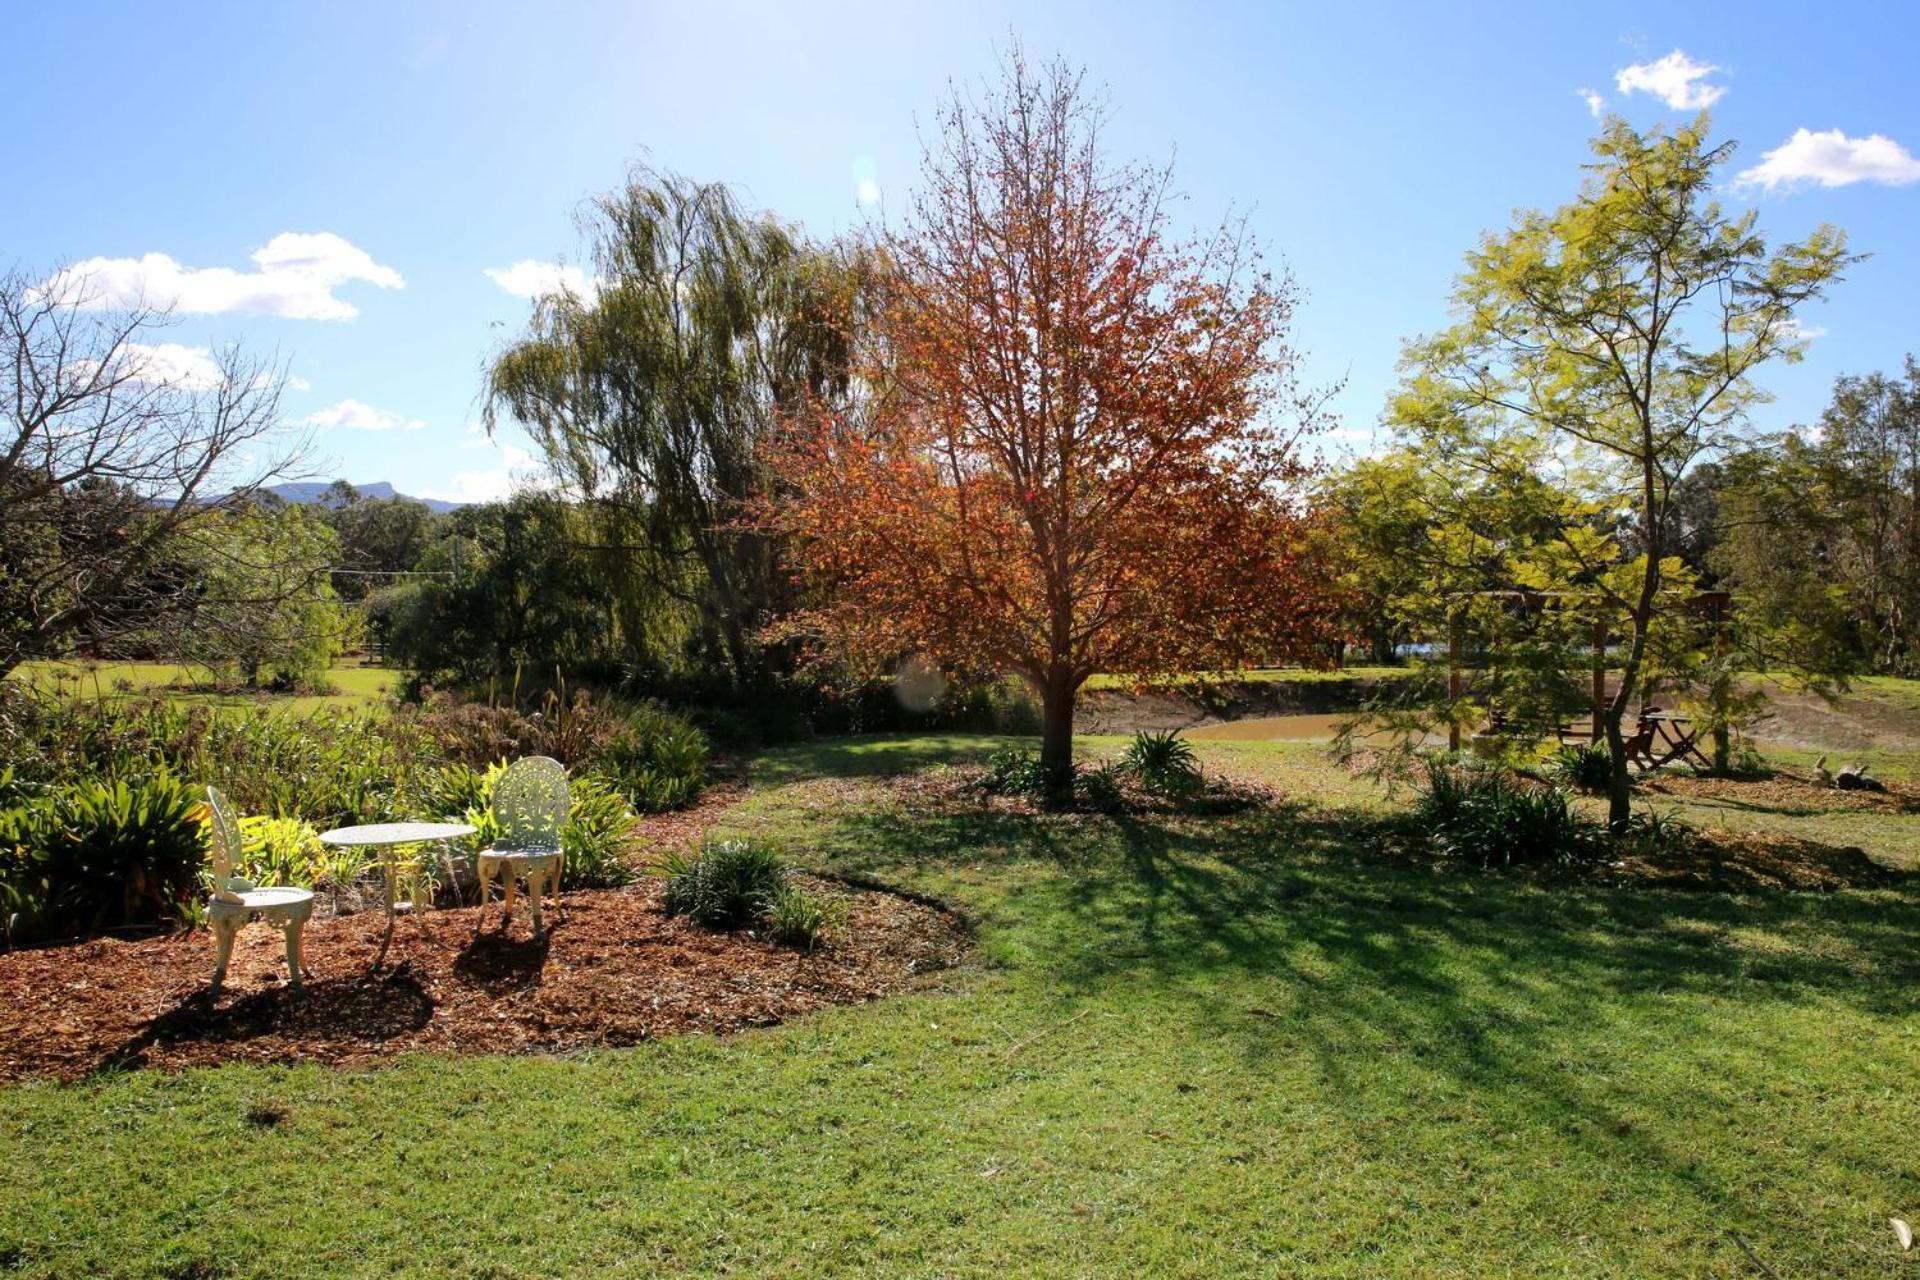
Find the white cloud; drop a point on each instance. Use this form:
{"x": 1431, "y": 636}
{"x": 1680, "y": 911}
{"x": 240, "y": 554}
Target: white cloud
{"x": 353, "y": 415}
{"x": 1676, "y": 80}
{"x": 293, "y": 382}
{"x": 1803, "y": 332}
{"x": 1595, "y": 103}
{"x": 1832, "y": 159}
{"x": 531, "y": 278}
{"x": 867, "y": 191}
{"x": 517, "y": 467}
{"x": 172, "y": 364}
{"x": 295, "y": 276}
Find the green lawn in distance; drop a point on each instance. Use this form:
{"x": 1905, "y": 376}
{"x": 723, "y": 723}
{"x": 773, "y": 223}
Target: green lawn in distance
{"x": 357, "y": 686}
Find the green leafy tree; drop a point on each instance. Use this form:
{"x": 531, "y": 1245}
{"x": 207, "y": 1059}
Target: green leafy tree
{"x": 1822, "y": 528}
{"x": 380, "y": 539}
{"x": 1416, "y": 532}
{"x": 1621, "y": 331}
{"x": 507, "y": 591}
{"x": 265, "y": 607}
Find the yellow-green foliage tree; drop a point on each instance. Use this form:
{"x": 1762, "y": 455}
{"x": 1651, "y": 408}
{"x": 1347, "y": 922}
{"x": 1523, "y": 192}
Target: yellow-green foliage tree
{"x": 1619, "y": 334}
{"x": 265, "y": 607}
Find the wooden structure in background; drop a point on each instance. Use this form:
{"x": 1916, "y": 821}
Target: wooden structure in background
{"x": 1713, "y": 603}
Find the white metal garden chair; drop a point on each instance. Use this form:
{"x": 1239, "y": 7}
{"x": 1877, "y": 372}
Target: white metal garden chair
{"x": 237, "y": 901}
{"x": 530, "y": 806}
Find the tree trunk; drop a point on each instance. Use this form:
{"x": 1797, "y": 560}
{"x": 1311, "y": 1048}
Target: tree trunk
{"x": 1056, "y": 736}
{"x": 1619, "y": 780}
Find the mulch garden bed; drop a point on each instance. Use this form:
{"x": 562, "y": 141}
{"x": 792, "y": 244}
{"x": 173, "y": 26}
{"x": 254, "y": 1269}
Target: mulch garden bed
{"x": 1787, "y": 790}
{"x": 683, "y": 829}
{"x": 614, "y": 970}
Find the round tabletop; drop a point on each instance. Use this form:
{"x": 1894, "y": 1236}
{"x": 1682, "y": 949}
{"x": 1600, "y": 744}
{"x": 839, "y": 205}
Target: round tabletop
{"x": 396, "y": 833}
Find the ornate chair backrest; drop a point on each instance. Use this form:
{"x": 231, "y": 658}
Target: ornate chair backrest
{"x": 530, "y": 804}
{"x": 226, "y": 845}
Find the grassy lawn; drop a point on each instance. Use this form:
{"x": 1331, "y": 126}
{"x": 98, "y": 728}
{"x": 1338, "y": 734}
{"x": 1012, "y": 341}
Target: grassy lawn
{"x": 1187, "y": 1047}
{"x": 357, "y": 686}
{"x": 1892, "y": 691}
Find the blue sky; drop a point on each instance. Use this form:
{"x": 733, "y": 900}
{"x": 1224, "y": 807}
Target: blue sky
{"x": 380, "y": 158}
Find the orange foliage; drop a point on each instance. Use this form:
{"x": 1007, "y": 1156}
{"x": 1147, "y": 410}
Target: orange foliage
{"x": 1069, "y": 457}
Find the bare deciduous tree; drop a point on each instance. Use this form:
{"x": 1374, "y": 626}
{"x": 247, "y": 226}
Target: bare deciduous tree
{"x": 114, "y": 452}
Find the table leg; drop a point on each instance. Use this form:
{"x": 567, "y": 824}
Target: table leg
{"x": 386, "y": 939}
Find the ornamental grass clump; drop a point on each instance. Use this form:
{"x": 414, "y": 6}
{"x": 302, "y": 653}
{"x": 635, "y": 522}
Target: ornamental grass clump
{"x": 1491, "y": 819}
{"x": 738, "y": 884}
{"x": 1584, "y": 767}
{"x": 658, "y": 760}
{"x": 729, "y": 884}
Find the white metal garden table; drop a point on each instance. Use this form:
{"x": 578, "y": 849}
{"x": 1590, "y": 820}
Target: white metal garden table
{"x": 388, "y": 837}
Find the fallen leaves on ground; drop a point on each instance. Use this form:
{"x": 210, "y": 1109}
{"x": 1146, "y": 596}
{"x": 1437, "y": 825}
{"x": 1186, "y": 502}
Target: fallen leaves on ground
{"x": 1787, "y": 790}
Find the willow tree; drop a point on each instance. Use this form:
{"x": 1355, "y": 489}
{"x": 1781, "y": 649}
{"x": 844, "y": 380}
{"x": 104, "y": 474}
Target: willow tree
{"x": 1621, "y": 331}
{"x": 651, "y": 391}
{"x": 1078, "y": 454}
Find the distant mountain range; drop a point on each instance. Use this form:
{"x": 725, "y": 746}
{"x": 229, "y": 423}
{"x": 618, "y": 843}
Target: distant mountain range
{"x": 305, "y": 492}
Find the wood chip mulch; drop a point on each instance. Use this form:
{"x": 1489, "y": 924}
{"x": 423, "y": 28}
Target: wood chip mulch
{"x": 614, "y": 970}
{"x": 660, "y": 833}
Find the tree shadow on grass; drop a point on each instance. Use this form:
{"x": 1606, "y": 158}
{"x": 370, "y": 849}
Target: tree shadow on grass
{"x": 1287, "y": 932}
{"x": 878, "y": 755}
{"x": 1286, "y": 937}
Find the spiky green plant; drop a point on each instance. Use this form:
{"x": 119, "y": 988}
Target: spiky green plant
{"x": 1164, "y": 763}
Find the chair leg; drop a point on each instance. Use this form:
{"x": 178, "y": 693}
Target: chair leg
{"x": 536, "y": 890}
{"x": 225, "y": 929}
{"x": 482, "y": 873}
{"x": 510, "y": 874}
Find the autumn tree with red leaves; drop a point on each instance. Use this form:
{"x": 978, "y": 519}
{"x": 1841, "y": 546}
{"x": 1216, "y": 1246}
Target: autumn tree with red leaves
{"x": 1078, "y": 448}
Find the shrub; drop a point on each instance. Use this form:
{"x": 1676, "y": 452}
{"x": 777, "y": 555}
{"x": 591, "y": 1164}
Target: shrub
{"x": 101, "y": 855}
{"x": 1584, "y": 767}
{"x": 454, "y": 790}
{"x": 26, "y": 908}
{"x": 342, "y": 866}
{"x": 1100, "y": 788}
{"x": 1014, "y": 771}
{"x": 658, "y": 760}
{"x": 1489, "y": 819}
{"x": 331, "y": 767}
{"x": 1164, "y": 763}
{"x": 280, "y": 851}
{"x": 798, "y": 918}
{"x": 727, "y": 885}
{"x": 598, "y": 836}
{"x": 572, "y": 729}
